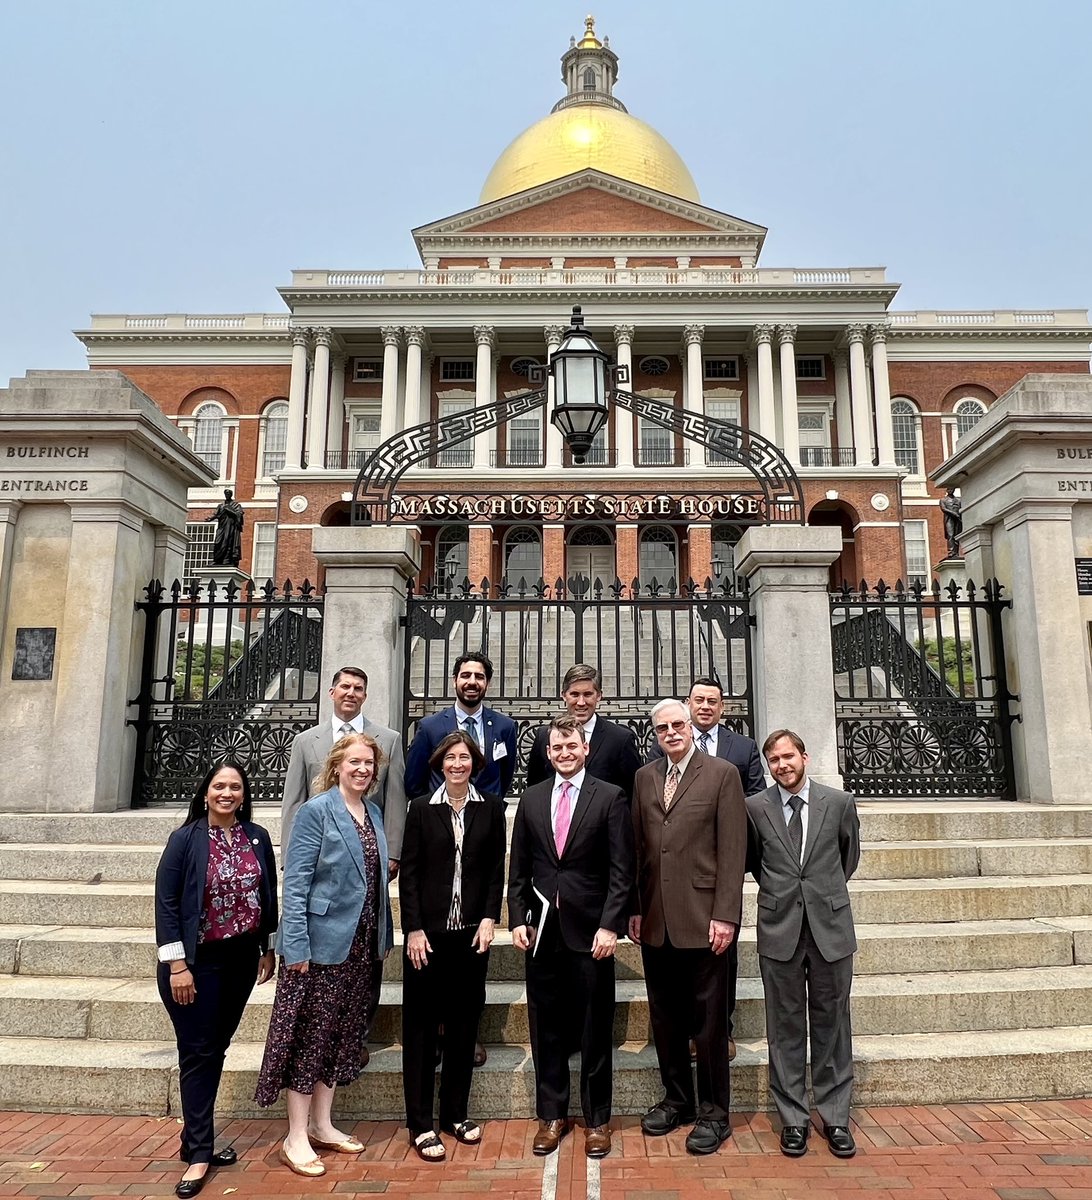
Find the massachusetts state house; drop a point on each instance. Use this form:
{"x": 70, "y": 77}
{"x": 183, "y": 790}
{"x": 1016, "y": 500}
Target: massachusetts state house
{"x": 588, "y": 206}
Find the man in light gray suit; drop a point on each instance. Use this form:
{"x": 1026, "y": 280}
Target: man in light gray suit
{"x": 804, "y": 843}
{"x": 348, "y": 691}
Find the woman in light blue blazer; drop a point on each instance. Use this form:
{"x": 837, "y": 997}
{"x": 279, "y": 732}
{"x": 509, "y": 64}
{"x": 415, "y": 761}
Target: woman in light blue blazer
{"x": 335, "y": 931}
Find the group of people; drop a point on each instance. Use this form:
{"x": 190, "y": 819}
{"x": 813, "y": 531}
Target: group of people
{"x": 603, "y": 847}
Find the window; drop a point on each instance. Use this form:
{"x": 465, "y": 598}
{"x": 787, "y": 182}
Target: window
{"x": 366, "y": 421}
{"x": 201, "y": 535}
{"x": 461, "y": 455}
{"x": 915, "y": 536}
{"x": 265, "y": 542}
{"x": 456, "y": 370}
{"x": 722, "y": 368}
{"x": 274, "y": 438}
{"x": 208, "y": 436}
{"x": 811, "y": 366}
{"x": 452, "y": 555}
{"x": 968, "y": 413}
{"x": 720, "y": 410}
{"x": 658, "y": 555}
{"x": 367, "y": 370}
{"x": 523, "y": 556}
{"x": 814, "y": 438}
{"x": 525, "y": 441}
{"x": 657, "y": 445}
{"x": 589, "y": 80}
{"x": 904, "y": 426}
{"x": 725, "y": 538}
{"x": 653, "y": 364}
{"x": 524, "y": 366}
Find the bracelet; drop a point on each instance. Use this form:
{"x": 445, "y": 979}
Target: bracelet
{"x": 182, "y": 972}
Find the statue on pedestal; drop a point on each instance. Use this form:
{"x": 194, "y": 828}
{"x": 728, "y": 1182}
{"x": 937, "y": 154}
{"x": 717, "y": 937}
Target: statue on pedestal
{"x": 227, "y": 547}
{"x": 951, "y": 506}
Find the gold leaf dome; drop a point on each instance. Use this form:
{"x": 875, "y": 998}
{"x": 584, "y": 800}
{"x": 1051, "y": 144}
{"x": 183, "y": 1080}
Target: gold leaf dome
{"x": 586, "y": 136}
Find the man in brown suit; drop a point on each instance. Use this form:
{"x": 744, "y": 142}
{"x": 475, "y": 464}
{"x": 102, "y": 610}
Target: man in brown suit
{"x": 690, "y": 829}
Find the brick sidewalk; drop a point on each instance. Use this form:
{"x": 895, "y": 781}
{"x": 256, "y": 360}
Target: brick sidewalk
{"x": 1016, "y": 1151}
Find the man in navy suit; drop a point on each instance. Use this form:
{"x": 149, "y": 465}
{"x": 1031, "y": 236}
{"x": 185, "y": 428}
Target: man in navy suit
{"x": 493, "y": 731}
{"x": 706, "y": 705}
{"x": 612, "y": 748}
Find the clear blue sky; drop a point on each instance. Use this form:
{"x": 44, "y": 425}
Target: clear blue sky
{"x": 185, "y": 157}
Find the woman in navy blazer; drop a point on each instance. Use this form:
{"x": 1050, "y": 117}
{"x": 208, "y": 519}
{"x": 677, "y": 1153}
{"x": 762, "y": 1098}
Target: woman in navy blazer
{"x": 335, "y": 931}
{"x": 215, "y": 910}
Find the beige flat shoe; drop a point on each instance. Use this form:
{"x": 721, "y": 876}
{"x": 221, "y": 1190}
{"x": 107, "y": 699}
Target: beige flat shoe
{"x": 310, "y": 1170}
{"x": 350, "y": 1145}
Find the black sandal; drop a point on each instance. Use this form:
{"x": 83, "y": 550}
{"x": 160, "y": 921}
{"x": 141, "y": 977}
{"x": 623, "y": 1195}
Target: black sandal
{"x": 467, "y": 1132}
{"x": 429, "y": 1141}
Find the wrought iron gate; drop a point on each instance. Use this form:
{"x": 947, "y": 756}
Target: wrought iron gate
{"x": 234, "y": 673}
{"x": 922, "y": 703}
{"x": 647, "y": 642}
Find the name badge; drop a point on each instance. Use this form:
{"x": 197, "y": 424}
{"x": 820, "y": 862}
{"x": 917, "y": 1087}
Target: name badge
{"x": 500, "y": 750}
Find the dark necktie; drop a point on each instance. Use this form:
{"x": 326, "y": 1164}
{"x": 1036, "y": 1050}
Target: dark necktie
{"x": 703, "y": 742}
{"x": 796, "y": 827}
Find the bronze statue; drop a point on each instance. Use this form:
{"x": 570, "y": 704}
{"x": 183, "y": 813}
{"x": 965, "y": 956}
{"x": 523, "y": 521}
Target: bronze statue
{"x": 951, "y": 506}
{"x": 227, "y": 547}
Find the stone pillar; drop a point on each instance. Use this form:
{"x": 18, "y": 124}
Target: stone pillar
{"x": 695, "y": 395}
{"x": 320, "y": 395}
{"x": 555, "y": 443}
{"x": 843, "y": 413}
{"x": 297, "y": 401}
{"x": 335, "y": 425}
{"x": 764, "y": 346}
{"x": 486, "y": 340}
{"x": 790, "y": 418}
{"x": 9, "y": 511}
{"x": 881, "y": 386}
{"x": 788, "y": 568}
{"x": 858, "y": 397}
{"x": 388, "y": 419}
{"x": 623, "y": 421}
{"x": 367, "y": 570}
{"x": 415, "y": 341}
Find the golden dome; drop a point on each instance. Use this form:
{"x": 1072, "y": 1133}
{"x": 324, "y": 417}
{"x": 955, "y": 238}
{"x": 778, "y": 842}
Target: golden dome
{"x": 586, "y": 136}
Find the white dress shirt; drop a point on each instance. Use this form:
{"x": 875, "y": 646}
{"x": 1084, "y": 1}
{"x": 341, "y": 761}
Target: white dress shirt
{"x": 711, "y": 734}
{"x": 336, "y": 723}
{"x": 575, "y": 784}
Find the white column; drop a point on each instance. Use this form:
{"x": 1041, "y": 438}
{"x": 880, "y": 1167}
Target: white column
{"x": 843, "y": 419}
{"x": 297, "y": 400}
{"x": 623, "y": 421}
{"x": 790, "y": 415}
{"x": 764, "y": 345}
{"x": 692, "y": 339}
{"x": 858, "y": 397}
{"x": 415, "y": 341}
{"x": 554, "y": 441}
{"x": 320, "y": 395}
{"x": 881, "y": 385}
{"x": 388, "y": 420}
{"x": 486, "y": 340}
{"x": 335, "y": 425}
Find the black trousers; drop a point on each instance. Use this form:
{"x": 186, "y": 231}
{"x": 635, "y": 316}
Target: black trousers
{"x": 688, "y": 992}
{"x": 223, "y": 977}
{"x": 732, "y": 955}
{"x": 564, "y": 985}
{"x": 448, "y": 991}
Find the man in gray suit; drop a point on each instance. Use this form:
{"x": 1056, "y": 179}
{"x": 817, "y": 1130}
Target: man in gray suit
{"x": 804, "y": 843}
{"x": 348, "y": 691}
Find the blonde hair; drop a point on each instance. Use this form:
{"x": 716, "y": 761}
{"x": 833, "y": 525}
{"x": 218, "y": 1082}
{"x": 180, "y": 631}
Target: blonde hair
{"x": 327, "y": 777}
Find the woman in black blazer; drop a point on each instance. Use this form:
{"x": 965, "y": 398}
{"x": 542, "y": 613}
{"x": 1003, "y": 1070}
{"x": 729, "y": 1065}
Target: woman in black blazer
{"x": 450, "y": 886}
{"x": 215, "y": 911}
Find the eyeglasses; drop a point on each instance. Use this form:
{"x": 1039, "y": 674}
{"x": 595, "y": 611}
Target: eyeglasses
{"x": 678, "y": 726}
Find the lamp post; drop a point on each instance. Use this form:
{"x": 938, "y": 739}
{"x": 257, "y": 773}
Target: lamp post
{"x": 718, "y": 567}
{"x": 451, "y": 565}
{"x": 582, "y": 374}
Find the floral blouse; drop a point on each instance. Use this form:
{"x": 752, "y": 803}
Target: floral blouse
{"x": 232, "y": 903}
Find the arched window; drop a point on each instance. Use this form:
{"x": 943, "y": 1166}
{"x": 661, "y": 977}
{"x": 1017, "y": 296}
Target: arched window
{"x": 208, "y": 436}
{"x": 452, "y": 555}
{"x": 523, "y": 556}
{"x": 968, "y": 413}
{"x": 274, "y": 438}
{"x": 589, "y": 79}
{"x": 904, "y": 426}
{"x": 658, "y": 555}
{"x": 723, "y": 564}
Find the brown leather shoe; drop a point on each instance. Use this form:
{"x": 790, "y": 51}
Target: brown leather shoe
{"x": 731, "y": 1049}
{"x": 597, "y": 1141}
{"x": 549, "y": 1136}
{"x": 365, "y": 1056}
{"x": 479, "y": 1055}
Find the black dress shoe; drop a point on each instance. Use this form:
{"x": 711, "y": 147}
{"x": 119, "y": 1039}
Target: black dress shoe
{"x": 794, "y": 1140}
{"x": 707, "y": 1135}
{"x": 840, "y": 1141}
{"x": 224, "y": 1158}
{"x": 184, "y": 1189}
{"x": 662, "y": 1118}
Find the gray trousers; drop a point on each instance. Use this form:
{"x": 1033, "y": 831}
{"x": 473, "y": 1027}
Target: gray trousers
{"x": 807, "y": 991}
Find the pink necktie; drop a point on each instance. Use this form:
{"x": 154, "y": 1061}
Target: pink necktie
{"x": 564, "y": 817}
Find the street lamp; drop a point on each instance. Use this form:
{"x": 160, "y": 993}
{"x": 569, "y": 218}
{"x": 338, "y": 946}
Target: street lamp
{"x": 718, "y": 566}
{"x": 451, "y": 565}
{"x": 580, "y": 371}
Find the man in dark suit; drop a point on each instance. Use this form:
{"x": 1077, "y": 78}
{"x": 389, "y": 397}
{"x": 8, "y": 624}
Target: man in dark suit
{"x": 568, "y": 891}
{"x": 690, "y": 834}
{"x": 612, "y": 748}
{"x": 804, "y": 844}
{"x": 348, "y": 692}
{"x": 493, "y": 731}
{"x": 706, "y": 705}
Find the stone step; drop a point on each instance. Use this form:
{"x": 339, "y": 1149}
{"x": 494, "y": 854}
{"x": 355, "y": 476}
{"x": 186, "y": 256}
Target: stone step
{"x": 940, "y": 1002}
{"x": 876, "y": 901}
{"x": 116, "y": 1077}
{"x": 129, "y": 953}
